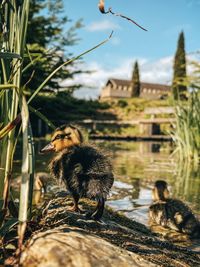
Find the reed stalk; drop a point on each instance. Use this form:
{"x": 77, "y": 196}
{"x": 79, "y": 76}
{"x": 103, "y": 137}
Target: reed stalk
{"x": 14, "y": 109}
{"x": 15, "y": 21}
{"x": 186, "y": 133}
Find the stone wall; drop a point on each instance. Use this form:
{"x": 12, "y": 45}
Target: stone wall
{"x": 108, "y": 92}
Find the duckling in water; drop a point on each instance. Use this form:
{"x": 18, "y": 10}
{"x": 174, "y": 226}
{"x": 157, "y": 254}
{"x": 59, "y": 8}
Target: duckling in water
{"x": 85, "y": 171}
{"x": 172, "y": 213}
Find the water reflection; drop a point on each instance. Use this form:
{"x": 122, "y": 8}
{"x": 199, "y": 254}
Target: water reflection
{"x": 140, "y": 165}
{"x": 137, "y": 165}
{"x": 187, "y": 186}
{"x": 136, "y": 188}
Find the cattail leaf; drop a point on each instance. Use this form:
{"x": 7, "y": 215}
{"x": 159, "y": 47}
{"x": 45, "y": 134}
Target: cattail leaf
{"x": 25, "y": 170}
{"x": 7, "y": 86}
{"x": 10, "y": 126}
{"x": 2, "y": 215}
{"x": 8, "y": 226}
{"x": 13, "y": 208}
{"x": 9, "y": 4}
{"x": 9, "y": 55}
{"x": 65, "y": 64}
{"x": 42, "y": 117}
{"x": 31, "y": 168}
{"x": 1, "y": 204}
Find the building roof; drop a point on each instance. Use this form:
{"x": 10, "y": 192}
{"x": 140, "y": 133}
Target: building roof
{"x": 161, "y": 87}
{"x": 121, "y": 82}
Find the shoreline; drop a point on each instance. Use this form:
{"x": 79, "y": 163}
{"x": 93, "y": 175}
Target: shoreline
{"x": 159, "y": 138}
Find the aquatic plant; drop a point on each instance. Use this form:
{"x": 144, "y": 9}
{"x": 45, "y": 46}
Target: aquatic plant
{"x": 14, "y": 109}
{"x": 186, "y": 132}
{"x": 14, "y": 21}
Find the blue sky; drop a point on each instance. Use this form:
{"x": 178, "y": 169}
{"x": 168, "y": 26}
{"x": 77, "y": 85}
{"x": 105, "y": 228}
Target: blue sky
{"x": 153, "y": 49}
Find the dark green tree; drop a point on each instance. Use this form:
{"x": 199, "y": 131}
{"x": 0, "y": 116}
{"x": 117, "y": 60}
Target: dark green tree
{"x": 48, "y": 44}
{"x": 178, "y": 86}
{"x": 135, "y": 81}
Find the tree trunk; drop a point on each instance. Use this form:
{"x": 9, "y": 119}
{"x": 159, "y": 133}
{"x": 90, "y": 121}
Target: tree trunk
{"x": 68, "y": 239}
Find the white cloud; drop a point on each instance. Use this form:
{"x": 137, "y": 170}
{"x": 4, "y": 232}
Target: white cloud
{"x": 155, "y": 71}
{"x": 102, "y": 26}
{"x": 159, "y": 71}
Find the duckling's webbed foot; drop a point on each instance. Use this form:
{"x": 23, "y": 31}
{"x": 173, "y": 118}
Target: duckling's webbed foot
{"x": 98, "y": 212}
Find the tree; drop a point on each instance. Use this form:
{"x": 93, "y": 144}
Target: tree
{"x": 47, "y": 42}
{"x": 136, "y": 81}
{"x": 179, "y": 68}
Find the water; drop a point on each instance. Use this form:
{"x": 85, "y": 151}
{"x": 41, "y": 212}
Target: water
{"x": 137, "y": 165}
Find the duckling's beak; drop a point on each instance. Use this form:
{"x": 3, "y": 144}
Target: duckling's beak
{"x": 48, "y": 148}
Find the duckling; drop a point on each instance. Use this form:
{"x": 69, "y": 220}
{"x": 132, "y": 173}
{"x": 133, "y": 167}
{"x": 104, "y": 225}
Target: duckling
{"x": 85, "y": 171}
{"x": 172, "y": 213}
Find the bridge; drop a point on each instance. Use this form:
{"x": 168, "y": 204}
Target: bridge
{"x": 148, "y": 128}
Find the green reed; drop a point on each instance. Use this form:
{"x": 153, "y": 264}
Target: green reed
{"x": 186, "y": 133}
{"x": 14, "y": 21}
{"x": 14, "y": 109}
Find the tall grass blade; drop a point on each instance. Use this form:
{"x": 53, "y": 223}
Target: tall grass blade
{"x": 64, "y": 64}
{"x": 24, "y": 190}
{"x": 42, "y": 117}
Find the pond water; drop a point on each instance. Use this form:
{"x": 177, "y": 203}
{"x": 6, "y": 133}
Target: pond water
{"x": 137, "y": 165}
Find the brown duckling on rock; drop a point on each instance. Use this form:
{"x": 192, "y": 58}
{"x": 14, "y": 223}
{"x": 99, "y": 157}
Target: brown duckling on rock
{"x": 85, "y": 171}
{"x": 172, "y": 213}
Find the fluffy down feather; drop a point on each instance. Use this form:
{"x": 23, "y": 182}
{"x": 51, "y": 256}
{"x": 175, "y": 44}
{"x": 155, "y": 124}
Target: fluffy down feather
{"x": 85, "y": 170}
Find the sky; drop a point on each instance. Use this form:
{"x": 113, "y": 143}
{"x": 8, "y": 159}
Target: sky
{"x": 154, "y": 50}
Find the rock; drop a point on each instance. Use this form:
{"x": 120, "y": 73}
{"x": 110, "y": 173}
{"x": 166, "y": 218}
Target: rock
{"x": 68, "y": 239}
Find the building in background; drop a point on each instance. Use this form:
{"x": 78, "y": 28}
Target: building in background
{"x": 117, "y": 88}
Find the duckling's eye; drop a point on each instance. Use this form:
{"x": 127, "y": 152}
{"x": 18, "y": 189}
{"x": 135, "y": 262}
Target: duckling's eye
{"x": 59, "y": 136}
{"x": 62, "y": 136}
{"x": 67, "y": 135}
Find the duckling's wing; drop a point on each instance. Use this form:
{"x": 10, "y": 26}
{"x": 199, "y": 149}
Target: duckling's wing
{"x": 97, "y": 162}
{"x": 97, "y": 171}
{"x": 178, "y": 207}
{"x": 158, "y": 214}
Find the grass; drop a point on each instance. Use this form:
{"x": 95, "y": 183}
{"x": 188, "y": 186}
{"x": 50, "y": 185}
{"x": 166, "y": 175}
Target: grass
{"x": 132, "y": 109}
{"x": 186, "y": 133}
{"x": 129, "y": 109}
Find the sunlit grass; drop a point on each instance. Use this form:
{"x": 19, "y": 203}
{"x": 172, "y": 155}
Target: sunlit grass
{"x": 186, "y": 134}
